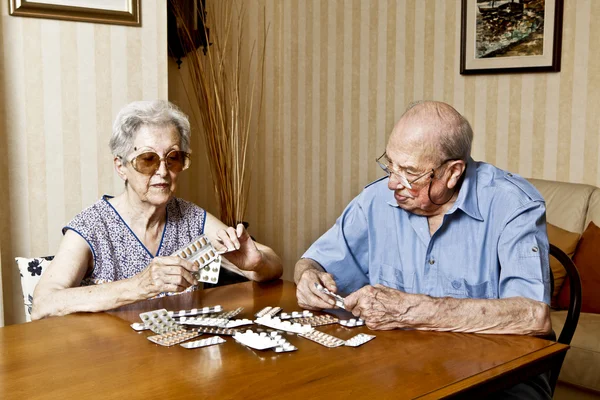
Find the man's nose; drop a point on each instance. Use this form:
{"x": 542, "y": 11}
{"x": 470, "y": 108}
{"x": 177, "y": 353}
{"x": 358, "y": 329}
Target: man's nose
{"x": 395, "y": 183}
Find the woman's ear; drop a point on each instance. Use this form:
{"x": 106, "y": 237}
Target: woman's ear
{"x": 120, "y": 168}
{"x": 457, "y": 168}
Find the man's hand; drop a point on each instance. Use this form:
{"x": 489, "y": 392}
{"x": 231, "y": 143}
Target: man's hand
{"x": 381, "y": 307}
{"x": 309, "y": 297}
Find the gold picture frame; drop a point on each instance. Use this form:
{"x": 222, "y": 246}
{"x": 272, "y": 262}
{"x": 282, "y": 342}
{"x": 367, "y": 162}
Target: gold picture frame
{"x": 511, "y": 36}
{"x": 116, "y": 12}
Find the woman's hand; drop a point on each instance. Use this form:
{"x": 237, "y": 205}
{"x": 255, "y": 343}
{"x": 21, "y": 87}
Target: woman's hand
{"x": 241, "y": 249}
{"x": 166, "y": 274}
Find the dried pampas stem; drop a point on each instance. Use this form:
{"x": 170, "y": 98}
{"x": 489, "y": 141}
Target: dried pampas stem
{"x": 225, "y": 100}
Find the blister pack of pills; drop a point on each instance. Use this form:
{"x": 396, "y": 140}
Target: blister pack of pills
{"x": 159, "y": 321}
{"x": 296, "y": 314}
{"x": 323, "y": 339}
{"x": 278, "y": 324}
{"x": 217, "y": 331}
{"x": 231, "y": 314}
{"x": 359, "y": 339}
{"x": 339, "y": 300}
{"x": 204, "y": 321}
{"x": 172, "y": 338}
{"x": 317, "y": 320}
{"x": 258, "y": 341}
{"x": 352, "y": 322}
{"x": 283, "y": 346}
{"x": 138, "y": 326}
{"x": 196, "y": 311}
{"x": 209, "y": 259}
{"x": 234, "y": 323}
{"x": 203, "y": 342}
{"x": 268, "y": 311}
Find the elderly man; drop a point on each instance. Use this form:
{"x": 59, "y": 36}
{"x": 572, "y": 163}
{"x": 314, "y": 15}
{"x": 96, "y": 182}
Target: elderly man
{"x": 440, "y": 243}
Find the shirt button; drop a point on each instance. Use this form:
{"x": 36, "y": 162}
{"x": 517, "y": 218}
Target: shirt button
{"x": 432, "y": 261}
{"x": 509, "y": 174}
{"x": 455, "y": 284}
{"x": 534, "y": 249}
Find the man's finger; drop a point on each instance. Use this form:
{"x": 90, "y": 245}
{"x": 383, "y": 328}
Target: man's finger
{"x": 328, "y": 282}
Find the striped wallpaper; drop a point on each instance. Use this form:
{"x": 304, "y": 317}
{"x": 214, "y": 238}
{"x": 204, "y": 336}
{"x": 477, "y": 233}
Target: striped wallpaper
{"x": 61, "y": 85}
{"x": 339, "y": 73}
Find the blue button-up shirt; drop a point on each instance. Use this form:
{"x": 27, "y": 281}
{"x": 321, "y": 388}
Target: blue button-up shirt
{"x": 491, "y": 244}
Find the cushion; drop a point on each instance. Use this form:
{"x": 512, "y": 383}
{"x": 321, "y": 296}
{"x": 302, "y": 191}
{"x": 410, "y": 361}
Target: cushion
{"x": 31, "y": 270}
{"x": 586, "y": 259}
{"x": 567, "y": 242}
{"x": 583, "y": 358}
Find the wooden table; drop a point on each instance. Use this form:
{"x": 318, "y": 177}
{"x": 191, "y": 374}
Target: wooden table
{"x": 99, "y": 356}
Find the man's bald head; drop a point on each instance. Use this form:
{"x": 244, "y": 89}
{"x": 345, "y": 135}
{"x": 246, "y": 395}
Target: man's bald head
{"x": 438, "y": 127}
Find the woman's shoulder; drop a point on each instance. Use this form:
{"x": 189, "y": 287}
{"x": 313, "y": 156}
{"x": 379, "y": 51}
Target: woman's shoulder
{"x": 184, "y": 209}
{"x": 92, "y": 214}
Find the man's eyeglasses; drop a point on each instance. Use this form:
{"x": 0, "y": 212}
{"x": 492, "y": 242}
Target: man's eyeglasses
{"x": 148, "y": 162}
{"x": 385, "y": 165}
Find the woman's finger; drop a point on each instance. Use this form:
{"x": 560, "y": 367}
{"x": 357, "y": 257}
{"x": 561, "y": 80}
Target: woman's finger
{"x": 233, "y": 237}
{"x": 223, "y": 236}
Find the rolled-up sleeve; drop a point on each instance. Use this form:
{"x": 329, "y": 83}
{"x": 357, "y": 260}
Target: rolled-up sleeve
{"x": 343, "y": 250}
{"x": 523, "y": 252}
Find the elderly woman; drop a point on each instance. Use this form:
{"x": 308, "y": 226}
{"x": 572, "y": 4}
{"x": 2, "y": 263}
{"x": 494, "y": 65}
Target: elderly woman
{"x": 118, "y": 251}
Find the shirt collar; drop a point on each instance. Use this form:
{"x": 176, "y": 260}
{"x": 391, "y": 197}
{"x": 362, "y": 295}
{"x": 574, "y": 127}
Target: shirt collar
{"x": 467, "y": 196}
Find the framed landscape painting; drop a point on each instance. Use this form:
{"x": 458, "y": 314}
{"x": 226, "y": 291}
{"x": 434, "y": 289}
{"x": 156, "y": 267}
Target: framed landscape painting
{"x": 500, "y": 36}
{"x": 117, "y": 12}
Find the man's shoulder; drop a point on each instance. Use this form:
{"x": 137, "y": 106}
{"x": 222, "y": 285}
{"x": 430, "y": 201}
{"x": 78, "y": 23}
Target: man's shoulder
{"x": 505, "y": 184}
{"x": 377, "y": 188}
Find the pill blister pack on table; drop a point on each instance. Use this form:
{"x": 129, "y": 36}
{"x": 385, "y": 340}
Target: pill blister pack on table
{"x": 264, "y": 340}
{"x": 323, "y": 339}
{"x": 234, "y": 323}
{"x": 296, "y": 314}
{"x": 339, "y": 300}
{"x": 172, "y": 338}
{"x": 268, "y": 311}
{"x": 359, "y": 339}
{"x": 317, "y": 320}
{"x": 217, "y": 331}
{"x": 351, "y": 323}
{"x": 195, "y": 311}
{"x": 203, "y": 342}
{"x": 202, "y": 321}
{"x": 209, "y": 259}
{"x": 278, "y": 324}
{"x": 255, "y": 340}
{"x": 231, "y": 314}
{"x": 159, "y": 321}
{"x": 138, "y": 326}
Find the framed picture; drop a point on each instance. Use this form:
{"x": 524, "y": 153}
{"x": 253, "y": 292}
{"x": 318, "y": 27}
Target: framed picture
{"x": 503, "y": 36}
{"x": 119, "y": 12}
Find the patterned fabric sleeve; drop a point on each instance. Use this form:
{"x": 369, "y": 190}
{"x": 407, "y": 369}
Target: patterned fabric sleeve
{"x": 83, "y": 225}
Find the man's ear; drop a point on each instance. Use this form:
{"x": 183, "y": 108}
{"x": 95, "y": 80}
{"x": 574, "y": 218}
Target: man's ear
{"x": 120, "y": 168}
{"x": 457, "y": 168}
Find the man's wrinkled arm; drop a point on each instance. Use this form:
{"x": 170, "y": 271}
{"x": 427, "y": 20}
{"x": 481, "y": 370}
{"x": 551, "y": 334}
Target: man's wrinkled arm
{"x": 385, "y": 308}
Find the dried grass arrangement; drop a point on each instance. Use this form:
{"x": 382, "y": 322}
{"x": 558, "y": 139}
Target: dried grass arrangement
{"x": 224, "y": 93}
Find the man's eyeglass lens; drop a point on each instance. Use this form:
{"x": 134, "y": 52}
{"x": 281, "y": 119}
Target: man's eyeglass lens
{"x": 149, "y": 162}
{"x": 384, "y": 164}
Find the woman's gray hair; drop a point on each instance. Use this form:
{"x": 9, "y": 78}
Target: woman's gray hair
{"x": 455, "y": 136}
{"x": 151, "y": 113}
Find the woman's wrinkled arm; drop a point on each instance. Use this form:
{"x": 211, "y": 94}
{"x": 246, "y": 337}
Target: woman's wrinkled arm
{"x": 58, "y": 291}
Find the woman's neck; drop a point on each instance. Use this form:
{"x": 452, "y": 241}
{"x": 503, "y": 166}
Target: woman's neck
{"x": 139, "y": 215}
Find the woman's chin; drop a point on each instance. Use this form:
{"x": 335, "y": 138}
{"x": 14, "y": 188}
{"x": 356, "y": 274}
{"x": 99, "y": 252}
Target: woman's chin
{"x": 159, "y": 197}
